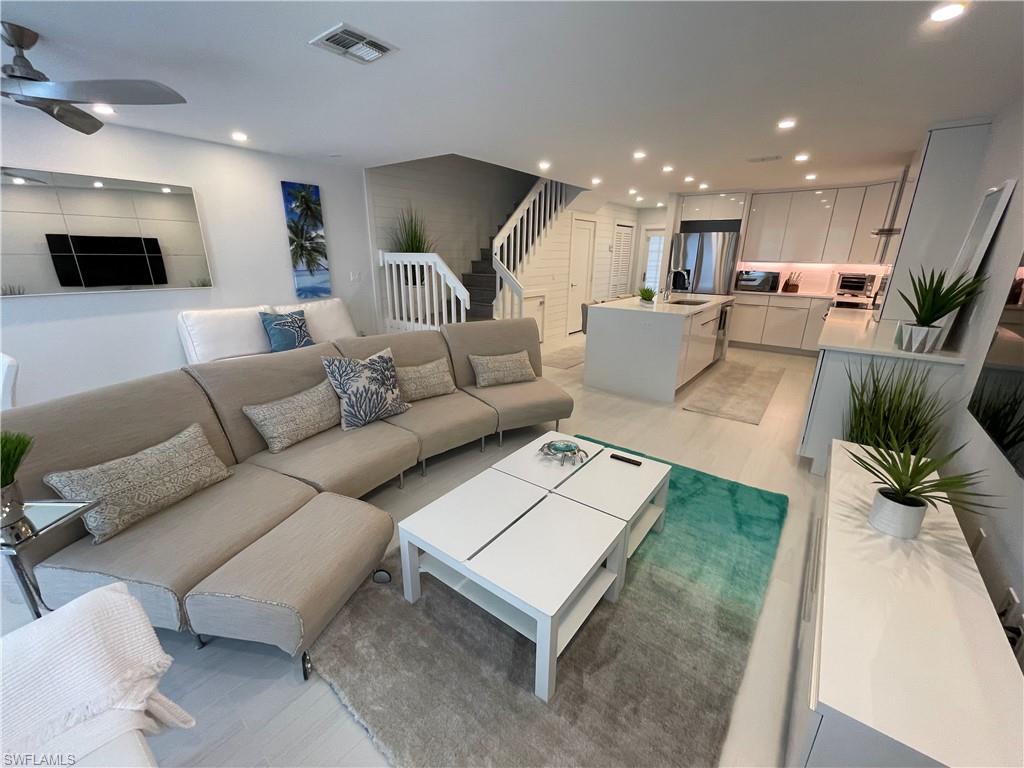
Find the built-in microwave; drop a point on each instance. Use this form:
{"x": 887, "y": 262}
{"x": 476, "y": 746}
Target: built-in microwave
{"x": 755, "y": 280}
{"x": 855, "y": 284}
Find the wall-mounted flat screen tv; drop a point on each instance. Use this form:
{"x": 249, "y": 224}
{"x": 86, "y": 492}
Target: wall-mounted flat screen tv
{"x": 91, "y": 261}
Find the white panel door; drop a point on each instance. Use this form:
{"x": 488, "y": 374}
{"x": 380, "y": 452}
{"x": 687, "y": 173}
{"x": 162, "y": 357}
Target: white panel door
{"x": 807, "y": 225}
{"x": 654, "y": 248}
{"x": 845, "y": 213}
{"x": 872, "y": 216}
{"x": 581, "y": 259}
{"x": 784, "y": 326}
{"x": 766, "y": 226}
{"x": 622, "y": 261}
{"x": 533, "y": 306}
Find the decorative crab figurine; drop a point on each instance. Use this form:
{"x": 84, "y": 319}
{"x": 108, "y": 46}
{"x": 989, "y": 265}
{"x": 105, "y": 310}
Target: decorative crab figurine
{"x": 564, "y": 449}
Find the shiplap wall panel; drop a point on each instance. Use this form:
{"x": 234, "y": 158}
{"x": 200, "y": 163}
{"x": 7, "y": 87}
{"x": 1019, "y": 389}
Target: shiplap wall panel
{"x": 547, "y": 271}
{"x": 463, "y": 201}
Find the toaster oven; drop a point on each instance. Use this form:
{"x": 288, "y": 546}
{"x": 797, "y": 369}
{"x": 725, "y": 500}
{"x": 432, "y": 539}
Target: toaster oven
{"x": 855, "y": 284}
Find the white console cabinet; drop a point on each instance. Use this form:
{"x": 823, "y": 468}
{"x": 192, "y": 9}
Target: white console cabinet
{"x": 901, "y": 660}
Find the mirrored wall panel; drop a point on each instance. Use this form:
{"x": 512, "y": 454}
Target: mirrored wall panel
{"x": 66, "y": 233}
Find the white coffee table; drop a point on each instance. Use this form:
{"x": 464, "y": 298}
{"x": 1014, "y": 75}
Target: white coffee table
{"x": 636, "y": 494}
{"x": 529, "y": 464}
{"x": 538, "y": 561}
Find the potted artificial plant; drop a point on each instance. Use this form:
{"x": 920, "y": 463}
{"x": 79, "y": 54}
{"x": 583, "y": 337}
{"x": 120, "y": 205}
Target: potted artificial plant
{"x": 13, "y": 447}
{"x": 908, "y": 485}
{"x": 933, "y": 300}
{"x": 646, "y": 295}
{"x": 410, "y": 234}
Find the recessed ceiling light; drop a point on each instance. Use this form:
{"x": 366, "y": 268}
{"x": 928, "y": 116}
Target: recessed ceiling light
{"x": 98, "y": 184}
{"x": 632, "y": 191}
{"x": 18, "y": 180}
{"x": 239, "y": 136}
{"x": 667, "y": 169}
{"x": 688, "y": 179}
{"x": 595, "y": 181}
{"x": 733, "y": 199}
{"x": 786, "y": 123}
{"x": 811, "y": 176}
{"x": 947, "y": 12}
{"x": 828, "y": 206}
{"x": 803, "y": 157}
{"x": 639, "y": 199}
{"x": 103, "y": 109}
{"x": 165, "y": 190}
{"x": 741, "y": 202}
{"x": 661, "y": 205}
{"x": 702, "y": 185}
{"x": 721, "y": 194}
{"x": 817, "y": 192}
{"x": 639, "y": 155}
{"x": 544, "y": 165}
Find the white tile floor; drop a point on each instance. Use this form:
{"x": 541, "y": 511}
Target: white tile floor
{"x": 253, "y": 709}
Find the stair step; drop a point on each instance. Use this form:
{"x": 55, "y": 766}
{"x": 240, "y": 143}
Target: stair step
{"x": 478, "y": 279}
{"x": 479, "y": 311}
{"x": 485, "y": 254}
{"x": 482, "y": 295}
{"x": 483, "y": 267}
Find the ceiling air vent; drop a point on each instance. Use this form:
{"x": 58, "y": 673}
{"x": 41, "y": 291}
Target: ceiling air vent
{"x": 764, "y": 159}
{"x": 352, "y": 44}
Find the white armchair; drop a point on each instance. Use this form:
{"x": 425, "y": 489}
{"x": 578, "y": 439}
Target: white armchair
{"x": 214, "y": 334}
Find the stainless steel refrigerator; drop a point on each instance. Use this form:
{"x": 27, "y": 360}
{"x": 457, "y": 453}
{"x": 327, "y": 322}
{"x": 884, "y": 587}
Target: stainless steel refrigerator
{"x": 703, "y": 257}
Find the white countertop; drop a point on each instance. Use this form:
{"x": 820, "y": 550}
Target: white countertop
{"x": 910, "y": 644}
{"x": 855, "y": 330}
{"x": 811, "y": 295}
{"x": 659, "y": 306}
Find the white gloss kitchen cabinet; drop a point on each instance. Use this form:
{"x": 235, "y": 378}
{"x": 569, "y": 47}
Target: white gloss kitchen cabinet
{"x": 816, "y": 317}
{"x": 873, "y": 215}
{"x": 790, "y": 322}
{"x": 728, "y": 205}
{"x": 747, "y": 321}
{"x": 766, "y": 226}
{"x": 785, "y": 321}
{"x": 843, "y": 225}
{"x": 807, "y": 225}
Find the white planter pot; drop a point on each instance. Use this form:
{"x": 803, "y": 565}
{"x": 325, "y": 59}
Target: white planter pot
{"x": 647, "y": 302}
{"x": 917, "y": 338}
{"x": 894, "y": 519}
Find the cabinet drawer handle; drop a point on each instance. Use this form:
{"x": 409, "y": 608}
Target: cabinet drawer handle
{"x": 791, "y": 309}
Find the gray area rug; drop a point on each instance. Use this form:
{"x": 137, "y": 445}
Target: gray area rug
{"x": 735, "y": 391}
{"x": 647, "y": 681}
{"x": 566, "y": 357}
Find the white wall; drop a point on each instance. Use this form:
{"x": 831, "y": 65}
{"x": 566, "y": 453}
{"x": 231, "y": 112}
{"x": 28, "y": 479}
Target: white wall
{"x": 464, "y": 202}
{"x": 547, "y": 271}
{"x": 70, "y": 343}
{"x": 1003, "y": 563}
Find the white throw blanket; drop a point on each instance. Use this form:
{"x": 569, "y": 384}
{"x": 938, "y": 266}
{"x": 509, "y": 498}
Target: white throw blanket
{"x": 82, "y": 676}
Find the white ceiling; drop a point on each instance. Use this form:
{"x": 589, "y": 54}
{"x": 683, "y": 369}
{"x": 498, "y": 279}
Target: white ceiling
{"x": 697, "y": 85}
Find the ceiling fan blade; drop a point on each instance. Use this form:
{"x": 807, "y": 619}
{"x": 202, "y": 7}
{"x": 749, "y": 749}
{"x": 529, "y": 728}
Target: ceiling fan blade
{"x": 71, "y": 116}
{"x": 95, "y": 91}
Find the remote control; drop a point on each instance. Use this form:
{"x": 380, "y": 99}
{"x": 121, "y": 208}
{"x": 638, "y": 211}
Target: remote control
{"x": 626, "y": 459}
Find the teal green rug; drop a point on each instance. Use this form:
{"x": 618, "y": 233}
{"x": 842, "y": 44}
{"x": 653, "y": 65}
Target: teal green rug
{"x": 648, "y": 681}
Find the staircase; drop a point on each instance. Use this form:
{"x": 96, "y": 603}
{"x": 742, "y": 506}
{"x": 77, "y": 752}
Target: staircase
{"x": 481, "y": 285}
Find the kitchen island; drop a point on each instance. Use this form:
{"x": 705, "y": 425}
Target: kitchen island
{"x": 650, "y": 350}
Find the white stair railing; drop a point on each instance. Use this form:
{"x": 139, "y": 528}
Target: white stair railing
{"x": 518, "y": 239}
{"x": 421, "y": 292}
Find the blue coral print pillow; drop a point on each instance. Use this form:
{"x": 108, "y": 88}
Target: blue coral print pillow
{"x": 287, "y": 331}
{"x": 368, "y": 388}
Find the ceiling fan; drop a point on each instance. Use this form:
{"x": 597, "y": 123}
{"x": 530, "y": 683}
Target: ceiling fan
{"x": 26, "y": 85}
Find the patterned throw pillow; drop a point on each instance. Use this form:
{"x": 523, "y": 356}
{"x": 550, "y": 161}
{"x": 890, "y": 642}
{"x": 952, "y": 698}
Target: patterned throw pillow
{"x": 134, "y": 487}
{"x": 492, "y": 370}
{"x": 418, "y": 382}
{"x": 368, "y": 388}
{"x": 287, "y": 331}
{"x": 292, "y": 419}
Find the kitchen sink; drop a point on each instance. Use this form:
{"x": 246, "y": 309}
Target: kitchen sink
{"x": 689, "y": 302}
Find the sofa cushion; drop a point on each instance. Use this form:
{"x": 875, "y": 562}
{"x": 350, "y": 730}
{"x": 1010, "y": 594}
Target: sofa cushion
{"x": 525, "y": 403}
{"x": 349, "y": 462}
{"x": 494, "y": 370}
{"x": 132, "y": 488}
{"x": 490, "y": 337}
{"x": 286, "y": 330}
{"x": 292, "y": 419}
{"x": 230, "y": 384}
{"x": 103, "y": 424}
{"x": 417, "y": 382}
{"x": 446, "y": 422}
{"x": 368, "y": 388}
{"x": 214, "y": 334}
{"x": 162, "y": 557}
{"x": 261, "y": 595}
{"x": 326, "y": 319}
{"x": 408, "y": 348}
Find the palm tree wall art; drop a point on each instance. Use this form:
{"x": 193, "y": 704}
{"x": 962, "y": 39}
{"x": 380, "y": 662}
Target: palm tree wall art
{"x": 306, "y": 240}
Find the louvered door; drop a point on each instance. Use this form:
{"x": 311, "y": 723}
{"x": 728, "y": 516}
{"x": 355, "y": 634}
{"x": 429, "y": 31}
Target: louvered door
{"x": 622, "y": 261}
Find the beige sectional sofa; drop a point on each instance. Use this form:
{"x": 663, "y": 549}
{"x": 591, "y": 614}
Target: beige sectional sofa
{"x": 271, "y": 553}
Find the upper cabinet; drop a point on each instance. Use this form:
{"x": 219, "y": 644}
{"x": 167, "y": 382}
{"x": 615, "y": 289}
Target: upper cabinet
{"x": 865, "y": 249}
{"x": 766, "y": 226}
{"x": 843, "y": 226}
{"x": 808, "y": 225}
{"x": 698, "y": 207}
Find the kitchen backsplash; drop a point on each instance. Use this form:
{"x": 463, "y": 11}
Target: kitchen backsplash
{"x": 815, "y": 278}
